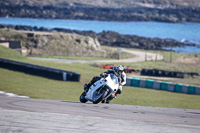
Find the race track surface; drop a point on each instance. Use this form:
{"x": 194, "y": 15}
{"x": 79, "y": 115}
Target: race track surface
{"x": 139, "y": 57}
{"x": 42, "y": 116}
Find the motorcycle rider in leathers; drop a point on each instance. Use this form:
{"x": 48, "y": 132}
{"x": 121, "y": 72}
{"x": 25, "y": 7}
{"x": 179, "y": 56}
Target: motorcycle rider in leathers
{"x": 119, "y": 72}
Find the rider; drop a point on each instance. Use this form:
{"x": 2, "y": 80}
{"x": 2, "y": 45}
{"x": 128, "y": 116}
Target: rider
{"x": 119, "y": 72}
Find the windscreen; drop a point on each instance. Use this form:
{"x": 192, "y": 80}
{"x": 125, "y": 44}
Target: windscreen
{"x": 114, "y": 78}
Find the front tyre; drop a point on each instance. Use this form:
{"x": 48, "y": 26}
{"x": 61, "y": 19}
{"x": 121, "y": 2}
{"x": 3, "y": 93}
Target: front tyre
{"x": 82, "y": 98}
{"x": 100, "y": 96}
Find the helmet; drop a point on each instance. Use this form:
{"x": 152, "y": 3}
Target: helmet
{"x": 118, "y": 70}
{"x": 115, "y": 69}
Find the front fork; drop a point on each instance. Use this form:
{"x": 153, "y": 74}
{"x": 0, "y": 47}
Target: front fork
{"x": 112, "y": 93}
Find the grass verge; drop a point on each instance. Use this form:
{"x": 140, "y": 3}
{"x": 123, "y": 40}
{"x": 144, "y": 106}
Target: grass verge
{"x": 43, "y": 88}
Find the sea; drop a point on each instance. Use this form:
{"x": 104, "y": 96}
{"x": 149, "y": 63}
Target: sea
{"x": 183, "y": 32}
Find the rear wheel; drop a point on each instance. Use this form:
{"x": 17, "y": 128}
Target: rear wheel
{"x": 99, "y": 96}
{"x": 82, "y": 98}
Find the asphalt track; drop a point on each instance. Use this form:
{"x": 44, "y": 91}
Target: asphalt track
{"x": 139, "y": 57}
{"x": 24, "y": 115}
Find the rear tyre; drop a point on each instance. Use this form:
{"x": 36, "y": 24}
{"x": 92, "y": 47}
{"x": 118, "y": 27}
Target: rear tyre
{"x": 100, "y": 96}
{"x": 82, "y": 98}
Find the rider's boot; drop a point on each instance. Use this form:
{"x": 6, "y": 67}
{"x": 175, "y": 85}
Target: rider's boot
{"x": 103, "y": 101}
{"x": 109, "y": 99}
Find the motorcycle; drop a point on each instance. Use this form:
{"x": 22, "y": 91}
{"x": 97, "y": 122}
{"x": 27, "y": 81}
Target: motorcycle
{"x": 101, "y": 89}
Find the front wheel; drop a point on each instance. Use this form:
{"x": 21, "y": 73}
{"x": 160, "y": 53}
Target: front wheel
{"x": 99, "y": 96}
{"x": 82, "y": 98}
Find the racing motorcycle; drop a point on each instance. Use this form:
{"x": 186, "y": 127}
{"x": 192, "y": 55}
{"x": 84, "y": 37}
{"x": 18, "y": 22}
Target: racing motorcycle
{"x": 101, "y": 89}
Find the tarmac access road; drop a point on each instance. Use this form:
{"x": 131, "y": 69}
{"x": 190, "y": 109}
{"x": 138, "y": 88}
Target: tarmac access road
{"x": 139, "y": 57}
{"x": 25, "y": 115}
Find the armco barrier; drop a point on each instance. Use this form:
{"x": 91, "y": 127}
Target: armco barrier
{"x": 156, "y": 85}
{"x": 128, "y": 81}
{"x": 135, "y": 82}
{"x": 37, "y": 70}
{"x": 197, "y": 90}
{"x": 170, "y": 87}
{"x": 185, "y": 88}
{"x": 149, "y": 83}
{"x": 142, "y": 83}
{"x": 165, "y": 86}
{"x": 178, "y": 88}
{"x": 191, "y": 89}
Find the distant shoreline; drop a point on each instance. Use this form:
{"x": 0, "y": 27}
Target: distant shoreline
{"x": 109, "y": 38}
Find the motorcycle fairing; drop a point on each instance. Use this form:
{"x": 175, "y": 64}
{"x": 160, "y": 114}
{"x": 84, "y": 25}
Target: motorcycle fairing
{"x": 108, "y": 81}
{"x": 93, "y": 88}
{"x": 112, "y": 85}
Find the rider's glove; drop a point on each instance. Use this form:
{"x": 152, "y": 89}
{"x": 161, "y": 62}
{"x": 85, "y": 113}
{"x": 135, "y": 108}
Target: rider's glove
{"x": 102, "y": 74}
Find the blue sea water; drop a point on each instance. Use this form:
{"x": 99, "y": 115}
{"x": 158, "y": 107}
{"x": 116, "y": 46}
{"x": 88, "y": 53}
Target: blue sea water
{"x": 183, "y": 32}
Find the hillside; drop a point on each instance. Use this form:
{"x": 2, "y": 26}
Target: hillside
{"x": 53, "y": 43}
{"x": 106, "y": 10}
{"x": 9, "y": 53}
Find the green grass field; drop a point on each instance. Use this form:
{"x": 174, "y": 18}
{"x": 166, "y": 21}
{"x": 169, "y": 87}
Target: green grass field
{"x": 43, "y": 88}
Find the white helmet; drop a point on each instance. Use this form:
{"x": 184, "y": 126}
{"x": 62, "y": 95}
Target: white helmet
{"x": 118, "y": 70}
{"x": 121, "y": 68}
